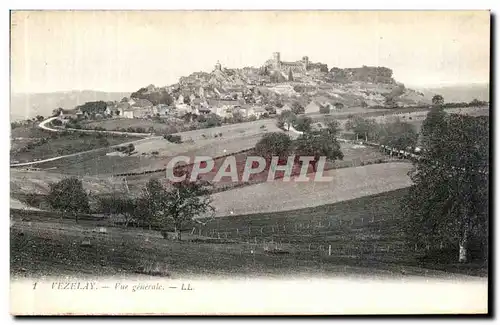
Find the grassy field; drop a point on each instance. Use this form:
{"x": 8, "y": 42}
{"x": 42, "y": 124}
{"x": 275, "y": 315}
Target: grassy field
{"x": 44, "y": 245}
{"x": 58, "y": 144}
{"x": 125, "y": 123}
{"x": 347, "y": 183}
{"x": 101, "y": 164}
{"x": 37, "y": 182}
{"x": 235, "y": 138}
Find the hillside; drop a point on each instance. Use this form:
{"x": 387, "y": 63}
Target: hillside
{"x": 24, "y": 106}
{"x": 278, "y": 82}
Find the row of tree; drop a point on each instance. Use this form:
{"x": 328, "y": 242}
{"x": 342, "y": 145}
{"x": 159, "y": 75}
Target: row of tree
{"x": 166, "y": 207}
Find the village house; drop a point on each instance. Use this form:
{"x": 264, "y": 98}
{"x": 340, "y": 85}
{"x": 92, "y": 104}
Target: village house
{"x": 161, "y": 109}
{"x": 256, "y": 111}
{"x": 312, "y": 107}
{"x": 285, "y": 108}
{"x": 128, "y": 113}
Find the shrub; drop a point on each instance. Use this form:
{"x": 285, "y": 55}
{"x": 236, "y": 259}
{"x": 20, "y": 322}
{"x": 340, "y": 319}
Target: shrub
{"x": 173, "y": 138}
{"x": 57, "y": 122}
{"x": 324, "y": 110}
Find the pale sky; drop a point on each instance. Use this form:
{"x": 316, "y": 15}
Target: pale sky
{"x": 126, "y": 50}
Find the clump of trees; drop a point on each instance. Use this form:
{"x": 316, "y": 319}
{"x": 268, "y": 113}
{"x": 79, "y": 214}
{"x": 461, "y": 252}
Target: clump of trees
{"x": 303, "y": 124}
{"x": 92, "y": 108}
{"x": 155, "y": 97}
{"x": 274, "y": 144}
{"x": 314, "y": 144}
{"x": 448, "y": 202}
{"x": 161, "y": 207}
{"x": 317, "y": 145}
{"x": 69, "y": 196}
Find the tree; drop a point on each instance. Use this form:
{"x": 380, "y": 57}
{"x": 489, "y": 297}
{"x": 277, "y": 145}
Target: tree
{"x": 448, "y": 202}
{"x": 437, "y": 100}
{"x": 118, "y": 205}
{"x": 303, "y": 124}
{"x": 288, "y": 118}
{"x": 324, "y": 109}
{"x": 124, "y": 100}
{"x": 338, "y": 106}
{"x": 184, "y": 201}
{"x": 400, "y": 135}
{"x": 149, "y": 206}
{"x": 432, "y": 126}
{"x": 69, "y": 196}
{"x": 39, "y": 118}
{"x": 317, "y": 145}
{"x": 297, "y": 108}
{"x": 274, "y": 144}
{"x": 57, "y": 111}
{"x": 361, "y": 126}
{"x": 333, "y": 126}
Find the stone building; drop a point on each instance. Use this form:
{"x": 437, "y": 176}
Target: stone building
{"x": 297, "y": 67}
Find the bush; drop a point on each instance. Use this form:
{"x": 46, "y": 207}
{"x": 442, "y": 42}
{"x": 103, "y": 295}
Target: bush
{"x": 324, "y": 110}
{"x": 173, "y": 138}
{"x": 57, "y": 122}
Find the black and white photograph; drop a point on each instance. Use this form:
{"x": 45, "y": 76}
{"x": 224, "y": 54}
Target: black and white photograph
{"x": 245, "y": 162}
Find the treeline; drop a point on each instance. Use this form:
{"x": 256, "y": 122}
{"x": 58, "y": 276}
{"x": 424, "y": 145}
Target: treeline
{"x": 92, "y": 108}
{"x": 162, "y": 207}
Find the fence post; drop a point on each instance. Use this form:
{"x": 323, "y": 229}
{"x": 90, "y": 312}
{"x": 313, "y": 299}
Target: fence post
{"x": 329, "y": 250}
{"x": 237, "y": 231}
{"x": 249, "y": 231}
{"x": 192, "y": 231}
{"x": 362, "y": 221}
{"x": 309, "y": 246}
{"x": 261, "y": 230}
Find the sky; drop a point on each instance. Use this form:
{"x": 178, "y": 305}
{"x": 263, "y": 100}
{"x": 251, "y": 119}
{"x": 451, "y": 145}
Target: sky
{"x": 126, "y": 50}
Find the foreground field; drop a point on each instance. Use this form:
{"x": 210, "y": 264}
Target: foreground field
{"x": 347, "y": 183}
{"x": 44, "y": 245}
{"x": 38, "y": 182}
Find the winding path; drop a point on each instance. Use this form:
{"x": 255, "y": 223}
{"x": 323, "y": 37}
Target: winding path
{"x": 43, "y": 125}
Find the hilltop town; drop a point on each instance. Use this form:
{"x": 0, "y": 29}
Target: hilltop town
{"x": 254, "y": 92}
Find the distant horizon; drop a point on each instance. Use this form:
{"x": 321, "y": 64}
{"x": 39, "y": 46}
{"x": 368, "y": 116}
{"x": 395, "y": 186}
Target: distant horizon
{"x": 415, "y": 87}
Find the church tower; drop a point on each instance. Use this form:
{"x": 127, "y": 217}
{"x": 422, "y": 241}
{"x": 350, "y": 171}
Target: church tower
{"x": 218, "y": 66}
{"x": 276, "y": 61}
